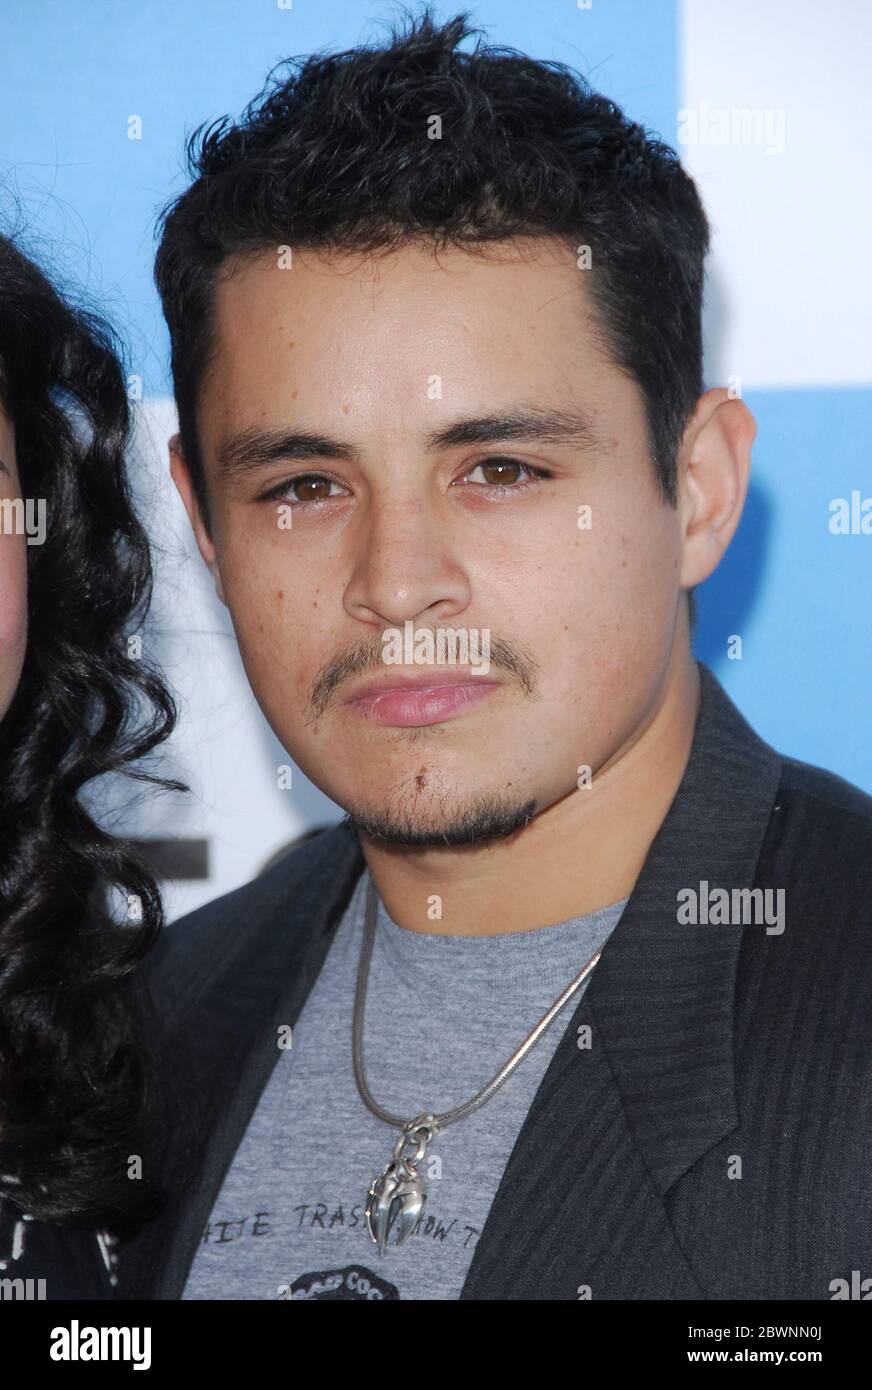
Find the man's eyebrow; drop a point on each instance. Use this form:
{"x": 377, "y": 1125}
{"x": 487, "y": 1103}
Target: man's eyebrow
{"x": 253, "y": 448}
{"x": 533, "y": 422}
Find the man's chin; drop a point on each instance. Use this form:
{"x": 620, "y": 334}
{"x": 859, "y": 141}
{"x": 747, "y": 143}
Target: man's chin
{"x": 483, "y": 821}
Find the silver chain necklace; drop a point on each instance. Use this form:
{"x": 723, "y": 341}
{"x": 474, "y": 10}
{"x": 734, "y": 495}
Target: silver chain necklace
{"x": 396, "y": 1196}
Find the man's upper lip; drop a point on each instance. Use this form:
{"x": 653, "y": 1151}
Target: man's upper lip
{"x": 426, "y": 680}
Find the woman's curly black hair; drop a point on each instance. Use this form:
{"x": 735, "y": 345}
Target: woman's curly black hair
{"x": 77, "y": 1082}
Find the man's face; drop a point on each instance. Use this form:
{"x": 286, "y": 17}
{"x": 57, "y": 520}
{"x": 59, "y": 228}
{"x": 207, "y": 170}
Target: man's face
{"x": 485, "y": 529}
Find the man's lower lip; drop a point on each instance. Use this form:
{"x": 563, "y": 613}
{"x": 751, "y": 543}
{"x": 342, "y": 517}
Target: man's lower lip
{"x": 432, "y": 705}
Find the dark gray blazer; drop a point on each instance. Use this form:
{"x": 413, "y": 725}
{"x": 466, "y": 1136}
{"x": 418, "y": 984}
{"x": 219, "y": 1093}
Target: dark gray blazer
{"x": 712, "y": 1046}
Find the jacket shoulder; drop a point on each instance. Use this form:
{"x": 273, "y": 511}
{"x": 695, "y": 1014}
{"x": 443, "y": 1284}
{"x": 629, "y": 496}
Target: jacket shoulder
{"x": 230, "y": 926}
{"x": 826, "y": 822}
{"x": 819, "y": 849}
{"x": 832, "y": 793}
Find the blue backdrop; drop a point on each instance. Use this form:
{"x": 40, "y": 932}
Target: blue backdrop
{"x": 786, "y": 316}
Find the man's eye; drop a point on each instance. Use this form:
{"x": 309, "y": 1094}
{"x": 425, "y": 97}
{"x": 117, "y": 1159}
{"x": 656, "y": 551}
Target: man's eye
{"x": 503, "y": 472}
{"x": 307, "y": 487}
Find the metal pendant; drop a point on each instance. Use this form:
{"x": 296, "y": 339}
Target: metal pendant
{"x": 396, "y": 1197}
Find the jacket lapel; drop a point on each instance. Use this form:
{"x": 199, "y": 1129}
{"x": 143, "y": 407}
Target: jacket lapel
{"x": 613, "y": 1126}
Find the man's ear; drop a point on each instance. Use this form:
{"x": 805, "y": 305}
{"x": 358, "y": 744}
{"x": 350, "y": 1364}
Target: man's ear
{"x": 713, "y": 469}
{"x": 181, "y": 476}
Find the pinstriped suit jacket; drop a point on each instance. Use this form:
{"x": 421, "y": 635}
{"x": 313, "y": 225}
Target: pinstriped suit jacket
{"x": 715, "y": 1139}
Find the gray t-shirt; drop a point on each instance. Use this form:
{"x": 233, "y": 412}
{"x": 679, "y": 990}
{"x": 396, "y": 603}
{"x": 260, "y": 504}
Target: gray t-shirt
{"x": 443, "y": 1015}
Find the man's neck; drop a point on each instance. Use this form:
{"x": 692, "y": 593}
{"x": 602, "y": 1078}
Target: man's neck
{"x": 582, "y": 853}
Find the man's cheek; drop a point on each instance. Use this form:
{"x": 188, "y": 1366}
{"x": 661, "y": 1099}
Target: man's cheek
{"x": 277, "y": 652}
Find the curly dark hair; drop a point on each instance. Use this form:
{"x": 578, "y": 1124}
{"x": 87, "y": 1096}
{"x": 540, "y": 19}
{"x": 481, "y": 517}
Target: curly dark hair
{"x": 335, "y": 154}
{"x": 77, "y": 1081}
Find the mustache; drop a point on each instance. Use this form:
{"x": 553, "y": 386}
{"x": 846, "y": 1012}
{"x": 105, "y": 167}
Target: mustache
{"x": 363, "y": 657}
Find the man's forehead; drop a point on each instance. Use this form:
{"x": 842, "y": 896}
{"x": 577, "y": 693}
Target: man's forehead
{"x": 275, "y": 329}
{"x": 418, "y": 265}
